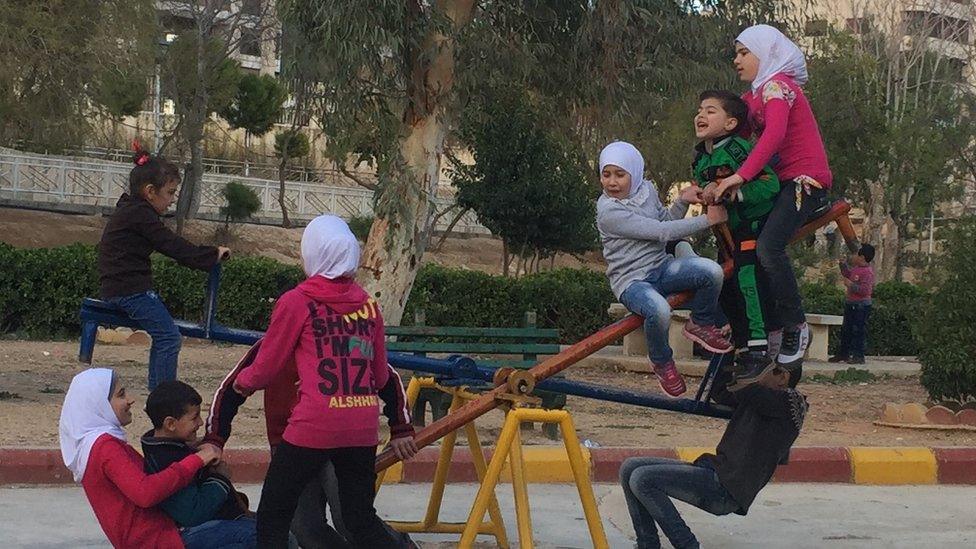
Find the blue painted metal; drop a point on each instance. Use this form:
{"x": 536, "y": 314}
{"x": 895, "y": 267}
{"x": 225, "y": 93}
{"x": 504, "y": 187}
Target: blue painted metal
{"x": 455, "y": 370}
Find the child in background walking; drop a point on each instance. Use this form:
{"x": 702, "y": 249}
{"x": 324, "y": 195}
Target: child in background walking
{"x": 859, "y": 281}
{"x": 635, "y": 229}
{"x": 131, "y": 235}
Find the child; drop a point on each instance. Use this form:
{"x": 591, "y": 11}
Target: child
{"x": 634, "y": 229}
{"x": 789, "y": 141}
{"x": 758, "y": 438}
{"x": 210, "y": 501}
{"x": 721, "y": 115}
{"x": 125, "y": 273}
{"x": 859, "y": 280}
{"x": 93, "y": 446}
{"x": 334, "y": 333}
{"x": 310, "y": 524}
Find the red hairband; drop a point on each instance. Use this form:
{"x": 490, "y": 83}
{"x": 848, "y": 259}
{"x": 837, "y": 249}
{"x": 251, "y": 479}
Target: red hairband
{"x": 141, "y": 156}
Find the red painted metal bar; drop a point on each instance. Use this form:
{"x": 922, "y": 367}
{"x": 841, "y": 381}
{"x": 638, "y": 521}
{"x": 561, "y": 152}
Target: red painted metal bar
{"x": 553, "y": 365}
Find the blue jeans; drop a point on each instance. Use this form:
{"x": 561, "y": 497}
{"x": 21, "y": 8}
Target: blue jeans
{"x": 853, "y": 334}
{"x": 647, "y": 298}
{"x": 650, "y": 483}
{"x": 148, "y": 310}
{"x": 229, "y": 534}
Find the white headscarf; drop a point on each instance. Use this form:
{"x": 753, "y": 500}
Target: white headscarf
{"x": 626, "y": 156}
{"x": 86, "y": 415}
{"x": 329, "y": 248}
{"x": 776, "y": 53}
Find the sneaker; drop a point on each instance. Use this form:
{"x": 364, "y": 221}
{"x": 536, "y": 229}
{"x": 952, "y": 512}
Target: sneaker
{"x": 751, "y": 367}
{"x": 838, "y": 358}
{"x": 669, "y": 378}
{"x": 795, "y": 343}
{"x": 708, "y": 337}
{"x": 775, "y": 342}
{"x": 856, "y": 360}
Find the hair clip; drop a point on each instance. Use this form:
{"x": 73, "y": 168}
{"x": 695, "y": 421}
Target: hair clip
{"x": 142, "y": 158}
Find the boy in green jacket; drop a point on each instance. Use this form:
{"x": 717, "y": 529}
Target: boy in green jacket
{"x": 721, "y": 116}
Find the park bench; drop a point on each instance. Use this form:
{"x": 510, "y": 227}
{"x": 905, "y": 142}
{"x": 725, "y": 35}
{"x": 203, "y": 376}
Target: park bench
{"x": 519, "y": 349}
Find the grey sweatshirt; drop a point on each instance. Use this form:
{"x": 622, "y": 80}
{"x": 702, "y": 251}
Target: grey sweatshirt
{"x": 635, "y": 231}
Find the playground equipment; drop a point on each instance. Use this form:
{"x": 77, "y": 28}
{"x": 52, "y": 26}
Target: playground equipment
{"x": 505, "y": 388}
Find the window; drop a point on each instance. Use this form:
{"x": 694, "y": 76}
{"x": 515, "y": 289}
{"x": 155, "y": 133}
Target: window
{"x": 935, "y": 25}
{"x": 250, "y": 42}
{"x": 859, "y": 25}
{"x": 816, "y": 27}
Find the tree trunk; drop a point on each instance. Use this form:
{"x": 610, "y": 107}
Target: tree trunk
{"x": 196, "y": 120}
{"x": 450, "y": 227}
{"x": 282, "y": 166}
{"x": 403, "y": 222}
{"x": 881, "y": 231}
{"x": 504, "y": 257}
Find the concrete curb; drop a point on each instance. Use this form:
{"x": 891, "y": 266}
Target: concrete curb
{"x": 855, "y": 465}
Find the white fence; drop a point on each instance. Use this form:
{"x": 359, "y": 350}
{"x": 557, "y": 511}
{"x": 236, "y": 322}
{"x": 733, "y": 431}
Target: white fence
{"x": 37, "y": 179}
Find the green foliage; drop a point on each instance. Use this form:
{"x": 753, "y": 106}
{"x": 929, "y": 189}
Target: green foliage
{"x": 360, "y": 225}
{"x": 122, "y": 94}
{"x": 257, "y": 104}
{"x": 241, "y": 201}
{"x": 294, "y": 143}
{"x": 220, "y": 81}
{"x": 948, "y": 324}
{"x": 56, "y": 58}
{"x": 526, "y": 185}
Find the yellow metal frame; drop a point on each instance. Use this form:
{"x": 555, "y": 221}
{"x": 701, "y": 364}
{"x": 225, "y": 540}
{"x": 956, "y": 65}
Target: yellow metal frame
{"x": 507, "y": 448}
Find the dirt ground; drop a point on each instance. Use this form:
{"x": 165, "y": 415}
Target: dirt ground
{"x": 35, "y": 374}
{"x": 24, "y": 229}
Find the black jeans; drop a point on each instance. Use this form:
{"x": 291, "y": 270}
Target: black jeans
{"x": 293, "y": 467}
{"x": 853, "y": 334}
{"x": 782, "y": 224}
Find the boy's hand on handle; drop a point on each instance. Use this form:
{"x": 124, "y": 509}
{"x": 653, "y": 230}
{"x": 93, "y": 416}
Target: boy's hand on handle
{"x": 209, "y": 453}
{"x": 716, "y": 214}
{"x": 404, "y": 448}
{"x": 708, "y": 194}
{"x": 729, "y": 185}
{"x": 223, "y": 253}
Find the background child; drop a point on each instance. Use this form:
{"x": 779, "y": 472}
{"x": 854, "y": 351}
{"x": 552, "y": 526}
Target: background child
{"x": 125, "y": 273}
{"x": 334, "y": 333}
{"x": 789, "y": 141}
{"x": 859, "y": 280}
{"x": 209, "y": 510}
{"x": 94, "y": 449}
{"x": 758, "y": 438}
{"x": 634, "y": 229}
{"x": 721, "y": 115}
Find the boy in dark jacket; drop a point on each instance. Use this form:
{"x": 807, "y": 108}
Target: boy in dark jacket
{"x": 174, "y": 409}
{"x": 763, "y": 427}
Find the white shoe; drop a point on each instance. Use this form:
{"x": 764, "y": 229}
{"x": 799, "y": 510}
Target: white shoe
{"x": 795, "y": 343}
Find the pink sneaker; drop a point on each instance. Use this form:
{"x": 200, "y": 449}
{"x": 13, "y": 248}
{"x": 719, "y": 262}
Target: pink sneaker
{"x": 708, "y": 337}
{"x": 669, "y": 378}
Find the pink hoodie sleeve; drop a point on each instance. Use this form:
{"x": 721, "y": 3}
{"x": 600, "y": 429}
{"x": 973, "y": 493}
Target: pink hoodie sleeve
{"x": 278, "y": 345}
{"x": 776, "y": 113}
{"x": 381, "y": 371}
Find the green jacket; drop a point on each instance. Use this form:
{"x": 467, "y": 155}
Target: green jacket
{"x": 755, "y": 198}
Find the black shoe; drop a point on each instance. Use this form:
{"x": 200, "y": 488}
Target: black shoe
{"x": 838, "y": 358}
{"x": 856, "y": 360}
{"x": 751, "y": 367}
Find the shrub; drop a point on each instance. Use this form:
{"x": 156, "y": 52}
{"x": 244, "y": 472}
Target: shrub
{"x": 241, "y": 202}
{"x": 947, "y": 331}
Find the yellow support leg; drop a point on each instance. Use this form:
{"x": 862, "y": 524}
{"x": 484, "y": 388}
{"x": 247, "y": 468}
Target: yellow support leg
{"x": 487, "y": 489}
{"x": 520, "y": 490}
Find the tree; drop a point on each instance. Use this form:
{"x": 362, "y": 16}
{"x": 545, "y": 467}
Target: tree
{"x": 256, "y": 107}
{"x": 527, "y": 186}
{"x": 241, "y": 202}
{"x": 58, "y": 59}
{"x": 289, "y": 144}
{"x": 204, "y": 77}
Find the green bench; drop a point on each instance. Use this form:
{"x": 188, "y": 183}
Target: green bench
{"x": 525, "y": 343}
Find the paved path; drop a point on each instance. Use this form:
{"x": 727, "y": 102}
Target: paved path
{"x": 793, "y": 516}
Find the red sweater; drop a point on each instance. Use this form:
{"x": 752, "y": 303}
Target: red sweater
{"x": 125, "y": 498}
{"x": 780, "y": 115}
{"x": 334, "y": 333}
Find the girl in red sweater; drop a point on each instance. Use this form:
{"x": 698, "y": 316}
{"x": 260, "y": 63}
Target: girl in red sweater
{"x": 333, "y": 331}
{"x": 94, "y": 448}
{"x": 788, "y": 139}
